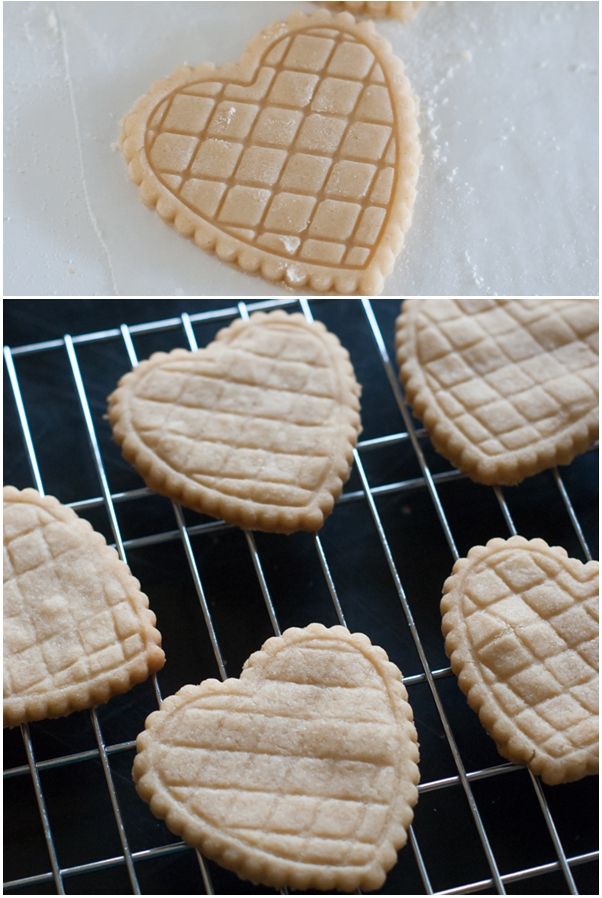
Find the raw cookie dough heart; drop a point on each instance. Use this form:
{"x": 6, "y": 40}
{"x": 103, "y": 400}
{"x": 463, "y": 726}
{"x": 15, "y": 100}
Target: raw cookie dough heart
{"x": 77, "y": 629}
{"x": 520, "y": 621}
{"x": 300, "y": 161}
{"x": 302, "y": 773}
{"x": 505, "y": 387}
{"x": 404, "y": 10}
{"x": 258, "y": 428}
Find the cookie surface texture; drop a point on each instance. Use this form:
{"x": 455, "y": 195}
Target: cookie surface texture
{"x": 302, "y": 773}
{"x": 404, "y": 11}
{"x": 505, "y": 387}
{"x": 520, "y": 620}
{"x": 258, "y": 428}
{"x": 77, "y": 628}
{"x": 300, "y": 162}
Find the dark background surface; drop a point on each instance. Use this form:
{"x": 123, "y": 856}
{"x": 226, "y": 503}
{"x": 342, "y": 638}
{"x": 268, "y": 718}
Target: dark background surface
{"x": 28, "y": 320}
{"x": 79, "y": 809}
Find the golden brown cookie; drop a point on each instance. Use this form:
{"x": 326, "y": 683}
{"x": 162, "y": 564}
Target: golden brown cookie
{"x": 300, "y": 162}
{"x": 77, "y": 628}
{"x": 505, "y": 387}
{"x": 520, "y": 620}
{"x": 302, "y": 773}
{"x": 258, "y": 428}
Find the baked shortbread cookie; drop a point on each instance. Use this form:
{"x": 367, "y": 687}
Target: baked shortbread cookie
{"x": 302, "y": 773}
{"x": 77, "y": 628}
{"x": 520, "y": 620}
{"x": 404, "y": 10}
{"x": 258, "y": 428}
{"x": 505, "y": 387}
{"x": 299, "y": 162}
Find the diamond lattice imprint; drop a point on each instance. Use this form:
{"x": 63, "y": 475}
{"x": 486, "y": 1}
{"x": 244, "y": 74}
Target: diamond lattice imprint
{"x": 258, "y": 428}
{"x": 520, "y": 621}
{"x": 77, "y": 629}
{"x": 300, "y": 162}
{"x": 505, "y": 387}
{"x": 301, "y": 773}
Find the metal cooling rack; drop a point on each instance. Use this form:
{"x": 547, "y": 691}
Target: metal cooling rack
{"x": 421, "y": 869}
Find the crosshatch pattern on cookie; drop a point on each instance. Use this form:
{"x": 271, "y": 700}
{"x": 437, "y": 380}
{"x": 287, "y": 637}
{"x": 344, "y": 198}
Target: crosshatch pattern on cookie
{"x": 310, "y": 759}
{"x": 266, "y": 416}
{"x": 505, "y": 374}
{"x": 522, "y": 623}
{"x": 73, "y": 619}
{"x": 300, "y": 162}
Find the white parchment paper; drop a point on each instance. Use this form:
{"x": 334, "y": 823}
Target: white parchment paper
{"x": 508, "y": 193}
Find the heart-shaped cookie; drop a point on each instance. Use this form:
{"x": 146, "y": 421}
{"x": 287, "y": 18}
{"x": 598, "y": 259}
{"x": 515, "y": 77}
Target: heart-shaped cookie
{"x": 77, "y": 629}
{"x": 300, "y": 161}
{"x": 258, "y": 428}
{"x": 506, "y": 387}
{"x": 302, "y": 773}
{"x": 520, "y": 620}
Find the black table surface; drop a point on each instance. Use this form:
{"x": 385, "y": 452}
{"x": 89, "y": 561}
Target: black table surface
{"x": 79, "y": 808}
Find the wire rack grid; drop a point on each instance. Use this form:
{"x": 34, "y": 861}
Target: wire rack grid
{"x": 455, "y": 794}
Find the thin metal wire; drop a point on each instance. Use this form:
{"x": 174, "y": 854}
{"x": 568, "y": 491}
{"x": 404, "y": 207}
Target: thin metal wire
{"x": 484, "y": 839}
{"x": 375, "y": 443}
{"x": 571, "y": 512}
{"x": 250, "y": 539}
{"x": 96, "y": 727}
{"x": 145, "y": 491}
{"x": 25, "y": 732}
{"x": 445, "y": 525}
{"x": 100, "y": 471}
{"x": 329, "y": 581}
{"x": 262, "y": 582}
{"x": 95, "y": 450}
{"x": 182, "y": 847}
{"x": 198, "y": 585}
{"x": 520, "y": 875}
{"x": 26, "y": 432}
{"x": 42, "y": 809}
{"x": 94, "y": 447}
{"x": 184, "y": 535}
{"x": 151, "y": 326}
{"x": 541, "y": 798}
{"x": 305, "y": 307}
{"x": 92, "y": 754}
{"x": 243, "y": 312}
{"x": 430, "y": 679}
{"x": 367, "y": 492}
{"x": 192, "y": 342}
{"x": 407, "y": 420}
{"x": 210, "y": 526}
